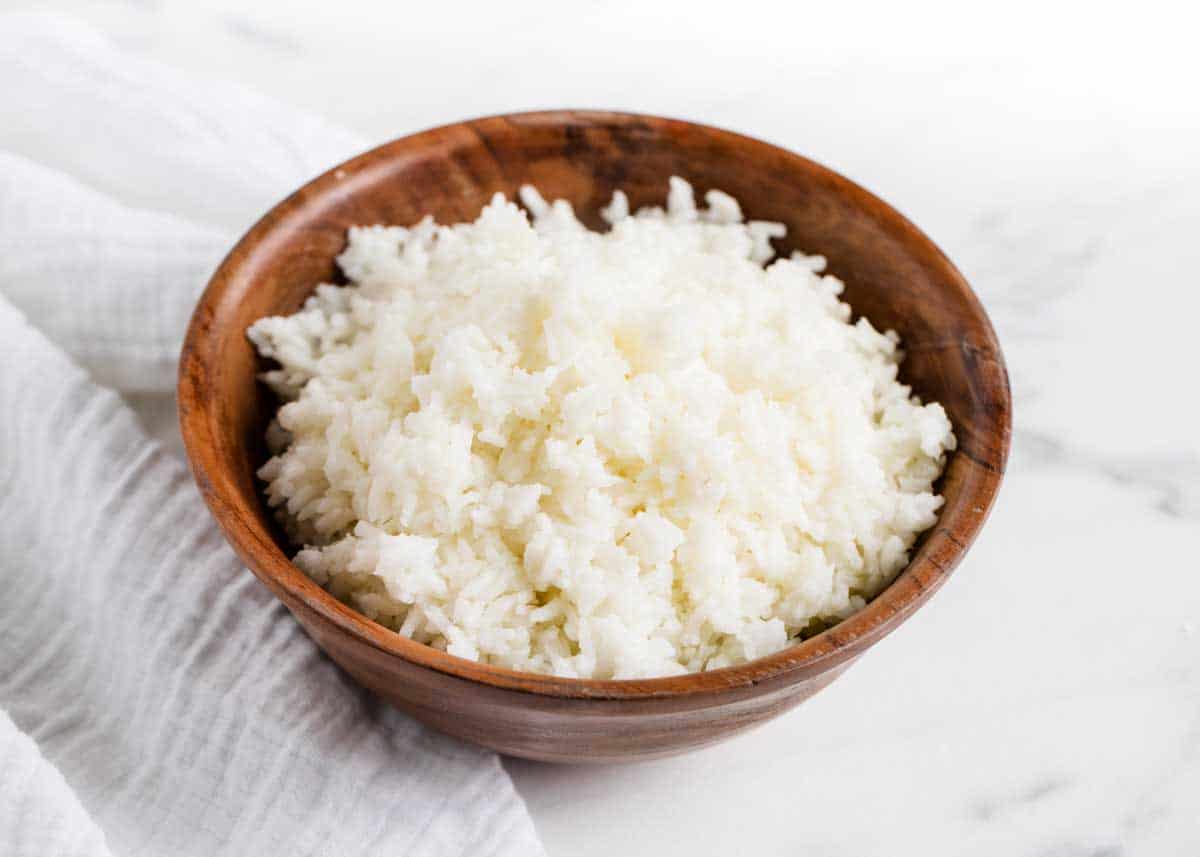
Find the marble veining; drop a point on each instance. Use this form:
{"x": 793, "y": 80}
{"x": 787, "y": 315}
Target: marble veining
{"x": 988, "y": 807}
{"x": 1170, "y": 482}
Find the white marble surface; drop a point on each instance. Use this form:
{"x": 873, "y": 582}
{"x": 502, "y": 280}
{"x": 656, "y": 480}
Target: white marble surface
{"x": 1047, "y": 701}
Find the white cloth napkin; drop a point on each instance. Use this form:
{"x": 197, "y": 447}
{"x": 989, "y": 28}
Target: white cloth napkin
{"x": 154, "y": 698}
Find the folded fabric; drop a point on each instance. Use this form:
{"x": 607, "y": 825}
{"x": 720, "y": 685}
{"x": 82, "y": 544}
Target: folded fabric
{"x": 113, "y": 285}
{"x": 92, "y": 144}
{"x": 39, "y": 814}
{"x": 155, "y": 698}
{"x": 215, "y": 153}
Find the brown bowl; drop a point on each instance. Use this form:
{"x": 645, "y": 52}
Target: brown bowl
{"x": 893, "y": 274}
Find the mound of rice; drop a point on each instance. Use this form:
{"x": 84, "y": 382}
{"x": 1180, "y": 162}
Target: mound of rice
{"x": 605, "y": 455}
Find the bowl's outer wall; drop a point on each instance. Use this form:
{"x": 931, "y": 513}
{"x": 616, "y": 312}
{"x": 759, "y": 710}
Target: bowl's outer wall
{"x": 560, "y": 730}
{"x": 894, "y": 275}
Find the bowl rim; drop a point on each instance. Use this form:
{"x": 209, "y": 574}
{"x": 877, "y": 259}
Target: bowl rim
{"x": 819, "y": 654}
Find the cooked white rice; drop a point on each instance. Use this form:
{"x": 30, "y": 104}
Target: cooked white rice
{"x": 605, "y": 455}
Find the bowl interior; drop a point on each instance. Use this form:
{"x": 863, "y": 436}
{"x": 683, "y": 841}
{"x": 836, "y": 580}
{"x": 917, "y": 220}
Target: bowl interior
{"x": 894, "y": 275}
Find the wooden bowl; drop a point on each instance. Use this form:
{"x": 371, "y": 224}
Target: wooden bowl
{"x": 893, "y": 274}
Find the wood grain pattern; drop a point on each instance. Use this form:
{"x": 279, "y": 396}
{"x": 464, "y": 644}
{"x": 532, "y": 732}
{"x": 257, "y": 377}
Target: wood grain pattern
{"x": 894, "y": 275}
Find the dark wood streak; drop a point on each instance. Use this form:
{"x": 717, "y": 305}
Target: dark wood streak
{"x": 493, "y": 153}
{"x": 949, "y": 534}
{"x": 943, "y": 345}
{"x": 937, "y": 563}
{"x": 895, "y": 276}
{"x": 982, "y": 462}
